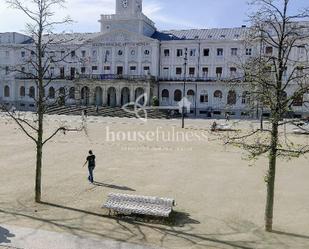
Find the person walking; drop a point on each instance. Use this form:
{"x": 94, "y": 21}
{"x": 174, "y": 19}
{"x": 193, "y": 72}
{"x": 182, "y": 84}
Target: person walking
{"x": 91, "y": 165}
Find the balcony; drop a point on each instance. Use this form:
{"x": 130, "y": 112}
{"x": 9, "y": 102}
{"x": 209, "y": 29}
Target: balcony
{"x": 103, "y": 77}
{"x": 25, "y": 76}
{"x": 202, "y": 79}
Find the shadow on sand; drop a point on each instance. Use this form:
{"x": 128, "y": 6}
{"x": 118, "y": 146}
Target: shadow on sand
{"x": 105, "y": 185}
{"x": 4, "y": 235}
{"x": 291, "y": 234}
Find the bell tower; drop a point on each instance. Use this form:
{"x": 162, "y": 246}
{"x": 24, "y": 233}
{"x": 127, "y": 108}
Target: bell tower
{"x": 129, "y": 7}
{"x": 129, "y": 16}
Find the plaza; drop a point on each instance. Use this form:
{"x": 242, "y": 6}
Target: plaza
{"x": 220, "y": 199}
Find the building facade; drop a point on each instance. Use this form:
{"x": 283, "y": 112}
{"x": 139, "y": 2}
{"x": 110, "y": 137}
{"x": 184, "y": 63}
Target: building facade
{"x": 129, "y": 57}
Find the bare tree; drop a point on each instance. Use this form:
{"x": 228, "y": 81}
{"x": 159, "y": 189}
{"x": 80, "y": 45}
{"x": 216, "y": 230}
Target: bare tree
{"x": 277, "y": 80}
{"x": 37, "y": 68}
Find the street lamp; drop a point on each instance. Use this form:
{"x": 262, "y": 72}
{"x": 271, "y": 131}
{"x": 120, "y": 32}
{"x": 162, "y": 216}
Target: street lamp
{"x": 184, "y": 88}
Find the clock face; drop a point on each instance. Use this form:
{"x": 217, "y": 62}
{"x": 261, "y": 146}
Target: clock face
{"x": 124, "y": 3}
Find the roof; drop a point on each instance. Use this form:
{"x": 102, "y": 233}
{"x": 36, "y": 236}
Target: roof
{"x": 202, "y": 34}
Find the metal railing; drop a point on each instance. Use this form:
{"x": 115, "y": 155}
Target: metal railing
{"x": 201, "y": 79}
{"x": 115, "y": 77}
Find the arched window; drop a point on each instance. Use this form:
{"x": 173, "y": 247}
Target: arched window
{"x": 51, "y": 93}
{"x": 62, "y": 91}
{"x": 231, "y": 98}
{"x": 72, "y": 93}
{"x": 190, "y": 96}
{"x": 165, "y": 94}
{"x": 190, "y": 93}
{"x": 218, "y": 94}
{"x": 22, "y": 91}
{"x": 32, "y": 92}
{"x": 7, "y": 91}
{"x": 177, "y": 95}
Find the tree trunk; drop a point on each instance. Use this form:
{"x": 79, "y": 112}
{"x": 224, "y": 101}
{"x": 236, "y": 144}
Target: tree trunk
{"x": 38, "y": 172}
{"x": 39, "y": 146}
{"x": 271, "y": 178}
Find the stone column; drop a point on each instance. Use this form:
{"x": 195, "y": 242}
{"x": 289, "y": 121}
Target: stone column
{"x": 118, "y": 97}
{"x": 132, "y": 94}
{"x": 148, "y": 95}
{"x": 105, "y": 88}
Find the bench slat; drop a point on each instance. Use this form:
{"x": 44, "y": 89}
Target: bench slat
{"x": 134, "y": 204}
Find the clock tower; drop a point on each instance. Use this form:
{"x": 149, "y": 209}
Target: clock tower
{"x": 129, "y": 16}
{"x": 129, "y": 7}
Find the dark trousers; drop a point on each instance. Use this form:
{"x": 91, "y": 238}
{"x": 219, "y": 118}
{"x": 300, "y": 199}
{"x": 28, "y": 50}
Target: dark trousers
{"x": 90, "y": 177}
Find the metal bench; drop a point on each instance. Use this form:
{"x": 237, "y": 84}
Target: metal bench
{"x": 134, "y": 204}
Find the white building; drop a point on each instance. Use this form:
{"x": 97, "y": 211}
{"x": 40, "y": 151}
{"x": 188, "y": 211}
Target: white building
{"x": 129, "y": 57}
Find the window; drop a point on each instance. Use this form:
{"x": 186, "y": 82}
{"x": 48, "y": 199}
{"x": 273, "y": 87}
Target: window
{"x": 83, "y": 70}
{"x": 178, "y": 70}
{"x": 166, "y": 52}
{"x": 301, "y": 49}
{"x": 147, "y": 69}
{"x": 22, "y": 91}
{"x": 32, "y": 92}
{"x": 62, "y": 72}
{"x": 165, "y": 95}
{"x": 205, "y": 71}
{"x": 51, "y": 93}
{"x": 269, "y": 50}
{"x": 220, "y": 52}
{"x": 6, "y": 91}
{"x": 23, "y": 53}
{"x": 52, "y": 71}
{"x": 231, "y": 98}
{"x": 219, "y": 72}
{"x": 204, "y": 97}
{"x": 72, "y": 54}
{"x": 245, "y": 98}
{"x": 94, "y": 68}
{"x": 72, "y": 93}
{"x": 120, "y": 52}
{"x": 179, "y": 52}
{"x": 192, "y": 52}
{"x": 298, "y": 101}
{"x": 72, "y": 72}
{"x": 94, "y": 53}
{"x": 7, "y": 70}
{"x": 249, "y": 51}
{"x": 206, "y": 52}
{"x": 132, "y": 68}
{"x": 83, "y": 53}
{"x": 192, "y": 71}
{"x": 32, "y": 53}
{"x": 107, "y": 68}
{"x": 177, "y": 95}
{"x": 147, "y": 52}
{"x": 234, "y": 51}
{"x": 218, "y": 94}
{"x": 133, "y": 52}
{"x": 233, "y": 71}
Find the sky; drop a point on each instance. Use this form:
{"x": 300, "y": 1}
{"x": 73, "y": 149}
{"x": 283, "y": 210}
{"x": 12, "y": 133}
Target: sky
{"x": 167, "y": 14}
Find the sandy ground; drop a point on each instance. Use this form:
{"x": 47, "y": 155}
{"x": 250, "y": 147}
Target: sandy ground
{"x": 220, "y": 199}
